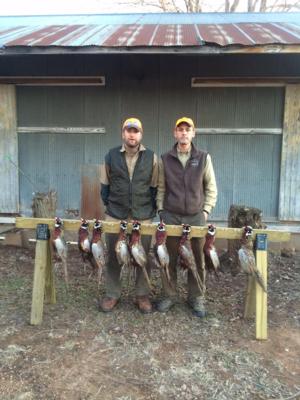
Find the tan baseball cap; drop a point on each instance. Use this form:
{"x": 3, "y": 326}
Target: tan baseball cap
{"x": 133, "y": 123}
{"x": 185, "y": 120}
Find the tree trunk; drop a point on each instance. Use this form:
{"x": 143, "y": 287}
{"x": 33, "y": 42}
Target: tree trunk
{"x": 263, "y": 6}
{"x": 234, "y": 5}
{"x": 238, "y": 217}
{"x": 44, "y": 205}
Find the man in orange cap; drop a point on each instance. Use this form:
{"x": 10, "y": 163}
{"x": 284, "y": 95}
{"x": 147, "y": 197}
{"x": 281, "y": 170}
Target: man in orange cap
{"x": 187, "y": 192}
{"x": 128, "y": 190}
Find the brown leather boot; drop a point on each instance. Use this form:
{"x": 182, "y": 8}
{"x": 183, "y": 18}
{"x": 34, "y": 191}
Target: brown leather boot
{"x": 143, "y": 304}
{"x": 107, "y": 304}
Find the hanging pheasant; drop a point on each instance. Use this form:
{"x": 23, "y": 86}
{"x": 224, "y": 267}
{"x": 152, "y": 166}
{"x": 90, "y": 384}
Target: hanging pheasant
{"x": 60, "y": 246}
{"x": 98, "y": 249}
{"x": 212, "y": 262}
{"x": 84, "y": 245}
{"x": 161, "y": 256}
{"x": 121, "y": 247}
{"x": 137, "y": 251}
{"x": 247, "y": 259}
{"x": 186, "y": 256}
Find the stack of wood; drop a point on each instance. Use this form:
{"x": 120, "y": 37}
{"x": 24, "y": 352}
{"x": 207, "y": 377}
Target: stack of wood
{"x": 238, "y": 217}
{"x": 44, "y": 204}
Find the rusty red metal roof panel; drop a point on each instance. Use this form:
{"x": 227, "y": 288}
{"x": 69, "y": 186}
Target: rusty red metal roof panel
{"x": 265, "y": 34}
{"x": 151, "y": 35}
{"x": 291, "y": 28}
{"x": 121, "y": 36}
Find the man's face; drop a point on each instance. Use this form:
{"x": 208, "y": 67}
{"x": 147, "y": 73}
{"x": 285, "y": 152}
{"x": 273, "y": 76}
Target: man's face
{"x": 131, "y": 137}
{"x": 184, "y": 133}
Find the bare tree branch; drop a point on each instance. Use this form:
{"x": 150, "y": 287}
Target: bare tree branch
{"x": 283, "y": 6}
{"x": 234, "y": 6}
{"x": 198, "y": 6}
{"x": 263, "y": 6}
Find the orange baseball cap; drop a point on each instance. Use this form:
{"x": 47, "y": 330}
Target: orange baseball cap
{"x": 133, "y": 123}
{"x": 185, "y": 120}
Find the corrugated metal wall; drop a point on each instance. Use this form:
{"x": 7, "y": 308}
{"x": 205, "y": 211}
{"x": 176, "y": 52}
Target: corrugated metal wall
{"x": 247, "y": 166}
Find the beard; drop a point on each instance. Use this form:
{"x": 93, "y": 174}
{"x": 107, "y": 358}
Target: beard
{"x": 184, "y": 141}
{"x": 132, "y": 144}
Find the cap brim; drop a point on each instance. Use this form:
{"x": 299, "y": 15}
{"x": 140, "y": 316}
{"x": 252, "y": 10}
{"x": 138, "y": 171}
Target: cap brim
{"x": 184, "y": 122}
{"x": 132, "y": 126}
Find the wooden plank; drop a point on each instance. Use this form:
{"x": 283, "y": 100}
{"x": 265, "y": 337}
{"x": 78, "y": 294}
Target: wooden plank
{"x": 250, "y": 303}
{"x": 39, "y": 280}
{"x": 50, "y": 293}
{"x": 268, "y": 49}
{"x": 289, "y": 205}
{"x": 61, "y": 129}
{"x": 238, "y": 82}
{"x": 261, "y": 296}
{"x": 9, "y": 177}
{"x": 54, "y": 80}
{"x": 149, "y": 229}
{"x": 239, "y": 131}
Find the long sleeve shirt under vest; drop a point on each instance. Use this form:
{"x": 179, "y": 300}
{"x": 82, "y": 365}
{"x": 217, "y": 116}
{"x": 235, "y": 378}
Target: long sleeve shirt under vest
{"x": 131, "y": 159}
{"x": 209, "y": 182}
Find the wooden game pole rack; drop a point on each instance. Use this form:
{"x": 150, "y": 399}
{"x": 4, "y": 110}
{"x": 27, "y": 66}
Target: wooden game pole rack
{"x": 43, "y": 281}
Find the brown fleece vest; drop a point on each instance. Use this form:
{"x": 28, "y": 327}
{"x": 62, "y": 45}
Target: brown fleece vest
{"x": 184, "y": 193}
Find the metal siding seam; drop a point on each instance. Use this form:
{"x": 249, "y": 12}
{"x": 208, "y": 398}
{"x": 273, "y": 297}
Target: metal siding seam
{"x": 198, "y": 33}
{"x": 286, "y": 30}
{"x": 244, "y": 33}
{"x": 271, "y": 34}
{"x": 153, "y": 35}
{"x": 132, "y": 38}
{"x": 72, "y": 35}
{"x": 101, "y": 34}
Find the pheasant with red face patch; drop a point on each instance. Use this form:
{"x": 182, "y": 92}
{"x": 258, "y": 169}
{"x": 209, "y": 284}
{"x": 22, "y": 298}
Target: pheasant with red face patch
{"x": 137, "y": 251}
{"x": 59, "y": 246}
{"x": 212, "y": 262}
{"x": 247, "y": 258}
{"x": 121, "y": 248}
{"x": 84, "y": 245}
{"x": 98, "y": 249}
{"x": 186, "y": 256}
{"x": 161, "y": 256}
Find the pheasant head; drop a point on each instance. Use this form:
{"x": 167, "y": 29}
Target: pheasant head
{"x": 136, "y": 234}
{"x": 247, "y": 235}
{"x": 97, "y": 231}
{"x": 161, "y": 233}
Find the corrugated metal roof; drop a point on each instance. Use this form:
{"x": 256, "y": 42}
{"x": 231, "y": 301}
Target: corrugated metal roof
{"x": 151, "y": 30}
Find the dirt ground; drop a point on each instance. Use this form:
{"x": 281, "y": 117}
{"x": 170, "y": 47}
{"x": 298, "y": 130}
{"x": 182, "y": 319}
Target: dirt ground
{"x": 81, "y": 353}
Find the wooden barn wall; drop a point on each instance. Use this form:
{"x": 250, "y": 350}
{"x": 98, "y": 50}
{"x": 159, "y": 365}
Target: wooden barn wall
{"x": 158, "y": 90}
{"x": 9, "y": 193}
{"x": 289, "y": 205}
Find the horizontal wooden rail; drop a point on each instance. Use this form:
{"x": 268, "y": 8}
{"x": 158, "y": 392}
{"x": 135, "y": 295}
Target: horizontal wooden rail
{"x": 149, "y": 229}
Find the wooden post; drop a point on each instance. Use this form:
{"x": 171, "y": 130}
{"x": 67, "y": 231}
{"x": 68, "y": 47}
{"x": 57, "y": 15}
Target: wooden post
{"x": 50, "y": 293}
{"x": 39, "y": 278}
{"x": 250, "y": 303}
{"x": 9, "y": 175}
{"x": 261, "y": 296}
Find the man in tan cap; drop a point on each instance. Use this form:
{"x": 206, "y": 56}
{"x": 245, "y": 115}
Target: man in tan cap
{"x": 187, "y": 192}
{"x": 128, "y": 190}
